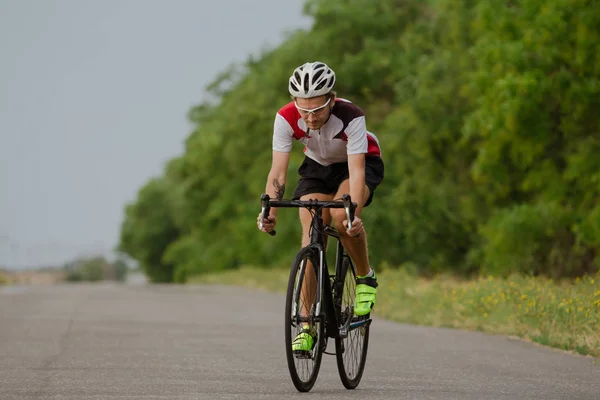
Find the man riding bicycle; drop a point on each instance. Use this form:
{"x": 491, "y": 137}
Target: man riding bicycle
{"x": 341, "y": 157}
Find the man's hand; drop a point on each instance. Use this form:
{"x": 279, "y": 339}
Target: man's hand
{"x": 268, "y": 224}
{"x": 357, "y": 227}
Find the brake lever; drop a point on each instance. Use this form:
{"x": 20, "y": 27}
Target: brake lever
{"x": 264, "y": 213}
{"x": 350, "y": 208}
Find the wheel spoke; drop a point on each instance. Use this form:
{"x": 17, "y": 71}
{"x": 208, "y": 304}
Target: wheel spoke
{"x": 300, "y": 314}
{"x": 352, "y": 349}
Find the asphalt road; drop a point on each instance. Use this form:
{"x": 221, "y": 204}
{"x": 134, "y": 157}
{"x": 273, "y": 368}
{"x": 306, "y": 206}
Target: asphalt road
{"x": 112, "y": 341}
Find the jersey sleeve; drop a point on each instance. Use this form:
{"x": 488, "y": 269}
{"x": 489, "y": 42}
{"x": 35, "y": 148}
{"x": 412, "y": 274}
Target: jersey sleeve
{"x": 357, "y": 136}
{"x": 282, "y": 134}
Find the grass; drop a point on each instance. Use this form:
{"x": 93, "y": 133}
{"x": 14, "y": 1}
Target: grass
{"x": 4, "y": 278}
{"x": 271, "y": 280}
{"x": 564, "y": 315}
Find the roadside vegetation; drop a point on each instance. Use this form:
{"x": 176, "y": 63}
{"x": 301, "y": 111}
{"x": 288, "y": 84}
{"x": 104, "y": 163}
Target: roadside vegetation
{"x": 4, "y": 278}
{"x": 94, "y": 269}
{"x": 562, "y": 314}
{"x": 487, "y": 114}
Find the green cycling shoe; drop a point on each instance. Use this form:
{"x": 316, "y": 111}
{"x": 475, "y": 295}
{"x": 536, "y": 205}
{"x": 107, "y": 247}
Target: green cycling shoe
{"x": 304, "y": 342}
{"x": 366, "y": 294}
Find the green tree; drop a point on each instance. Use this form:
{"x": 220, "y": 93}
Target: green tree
{"x": 487, "y": 112}
{"x": 91, "y": 269}
{"x": 536, "y": 124}
{"x": 149, "y": 228}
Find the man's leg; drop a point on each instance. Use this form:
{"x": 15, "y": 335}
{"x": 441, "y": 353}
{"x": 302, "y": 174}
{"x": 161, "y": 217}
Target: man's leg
{"x": 309, "y": 285}
{"x": 356, "y": 246}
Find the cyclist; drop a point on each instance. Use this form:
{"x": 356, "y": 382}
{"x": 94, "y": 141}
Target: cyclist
{"x": 341, "y": 156}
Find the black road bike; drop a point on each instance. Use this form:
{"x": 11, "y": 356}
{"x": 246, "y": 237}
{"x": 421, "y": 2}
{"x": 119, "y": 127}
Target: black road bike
{"x": 322, "y": 303}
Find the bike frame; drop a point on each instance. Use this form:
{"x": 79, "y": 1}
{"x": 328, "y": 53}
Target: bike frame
{"x": 318, "y": 234}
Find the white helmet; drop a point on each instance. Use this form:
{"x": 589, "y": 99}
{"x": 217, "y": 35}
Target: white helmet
{"x": 311, "y": 80}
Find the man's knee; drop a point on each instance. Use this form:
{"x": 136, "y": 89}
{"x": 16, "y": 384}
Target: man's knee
{"x": 339, "y": 216}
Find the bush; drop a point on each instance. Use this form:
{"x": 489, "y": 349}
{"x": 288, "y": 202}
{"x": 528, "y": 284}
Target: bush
{"x": 4, "y": 279}
{"x": 534, "y": 239}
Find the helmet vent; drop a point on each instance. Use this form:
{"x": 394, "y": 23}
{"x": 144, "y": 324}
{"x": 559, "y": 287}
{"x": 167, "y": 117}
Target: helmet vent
{"x": 306, "y": 86}
{"x": 320, "y": 85}
{"x": 316, "y": 76}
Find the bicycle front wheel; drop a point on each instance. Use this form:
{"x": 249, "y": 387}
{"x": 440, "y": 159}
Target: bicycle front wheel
{"x": 351, "y": 350}
{"x": 300, "y": 315}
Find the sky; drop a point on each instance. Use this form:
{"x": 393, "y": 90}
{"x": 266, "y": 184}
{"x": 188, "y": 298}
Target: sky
{"x": 93, "y": 102}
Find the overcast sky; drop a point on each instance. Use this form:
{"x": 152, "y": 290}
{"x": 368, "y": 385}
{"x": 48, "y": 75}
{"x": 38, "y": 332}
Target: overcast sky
{"x": 93, "y": 102}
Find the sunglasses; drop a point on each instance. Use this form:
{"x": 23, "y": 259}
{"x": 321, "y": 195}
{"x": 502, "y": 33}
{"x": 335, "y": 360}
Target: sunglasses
{"x": 314, "y": 110}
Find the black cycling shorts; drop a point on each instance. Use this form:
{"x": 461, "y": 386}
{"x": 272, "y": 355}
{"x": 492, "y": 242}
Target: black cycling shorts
{"x": 317, "y": 178}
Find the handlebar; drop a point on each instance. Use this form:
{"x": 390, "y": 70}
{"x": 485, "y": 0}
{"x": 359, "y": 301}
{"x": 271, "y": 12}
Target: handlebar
{"x": 267, "y": 203}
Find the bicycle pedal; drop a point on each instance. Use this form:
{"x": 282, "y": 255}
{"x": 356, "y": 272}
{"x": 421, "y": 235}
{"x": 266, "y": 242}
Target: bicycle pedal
{"x": 302, "y": 354}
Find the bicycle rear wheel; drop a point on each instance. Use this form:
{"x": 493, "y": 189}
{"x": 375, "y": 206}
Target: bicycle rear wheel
{"x": 300, "y": 308}
{"x": 351, "y": 350}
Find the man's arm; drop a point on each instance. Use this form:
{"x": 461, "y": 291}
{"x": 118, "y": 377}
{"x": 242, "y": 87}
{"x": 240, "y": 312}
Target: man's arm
{"x": 277, "y": 176}
{"x": 356, "y": 170}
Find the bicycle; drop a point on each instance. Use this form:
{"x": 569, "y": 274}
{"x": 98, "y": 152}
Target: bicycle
{"x": 328, "y": 307}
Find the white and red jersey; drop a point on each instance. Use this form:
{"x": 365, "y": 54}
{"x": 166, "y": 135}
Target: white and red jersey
{"x": 345, "y": 132}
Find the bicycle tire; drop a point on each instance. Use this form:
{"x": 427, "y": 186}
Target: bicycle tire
{"x": 305, "y": 378}
{"x": 350, "y": 369}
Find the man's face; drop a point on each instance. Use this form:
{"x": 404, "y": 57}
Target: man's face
{"x": 315, "y": 111}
